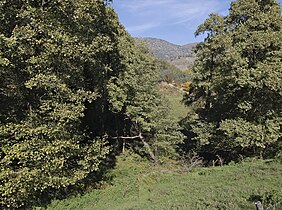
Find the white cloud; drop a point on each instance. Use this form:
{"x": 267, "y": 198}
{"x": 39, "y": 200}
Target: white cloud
{"x": 141, "y": 28}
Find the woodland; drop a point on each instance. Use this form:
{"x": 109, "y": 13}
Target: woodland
{"x": 77, "y": 91}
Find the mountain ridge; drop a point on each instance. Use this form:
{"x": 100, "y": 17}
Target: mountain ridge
{"x": 181, "y": 56}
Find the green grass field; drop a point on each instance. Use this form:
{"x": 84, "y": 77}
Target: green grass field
{"x": 137, "y": 184}
{"x": 178, "y": 109}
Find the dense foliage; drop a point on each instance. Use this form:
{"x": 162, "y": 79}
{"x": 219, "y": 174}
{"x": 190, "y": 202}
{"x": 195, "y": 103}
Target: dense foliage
{"x": 73, "y": 86}
{"x": 237, "y": 88}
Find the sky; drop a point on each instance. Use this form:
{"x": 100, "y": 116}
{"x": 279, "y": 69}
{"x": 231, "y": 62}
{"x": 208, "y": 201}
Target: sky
{"x": 171, "y": 20}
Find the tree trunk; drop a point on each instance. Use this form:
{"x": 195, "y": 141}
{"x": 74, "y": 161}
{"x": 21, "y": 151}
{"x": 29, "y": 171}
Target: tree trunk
{"x": 146, "y": 145}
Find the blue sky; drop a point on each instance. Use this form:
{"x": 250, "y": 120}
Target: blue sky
{"x": 171, "y": 20}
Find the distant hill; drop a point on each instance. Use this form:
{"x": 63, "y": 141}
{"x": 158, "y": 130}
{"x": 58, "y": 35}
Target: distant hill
{"x": 181, "y": 56}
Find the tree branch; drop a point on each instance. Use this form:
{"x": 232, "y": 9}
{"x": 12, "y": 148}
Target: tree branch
{"x": 146, "y": 145}
{"x": 126, "y": 137}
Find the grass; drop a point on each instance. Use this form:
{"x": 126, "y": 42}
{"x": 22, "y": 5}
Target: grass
{"x": 137, "y": 184}
{"x": 178, "y": 110}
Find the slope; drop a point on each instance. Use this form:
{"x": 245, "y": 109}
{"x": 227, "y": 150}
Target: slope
{"x": 180, "y": 56}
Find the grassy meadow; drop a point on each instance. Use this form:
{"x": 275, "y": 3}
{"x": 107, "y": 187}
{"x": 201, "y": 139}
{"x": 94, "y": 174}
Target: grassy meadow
{"x": 174, "y": 97}
{"x": 135, "y": 184}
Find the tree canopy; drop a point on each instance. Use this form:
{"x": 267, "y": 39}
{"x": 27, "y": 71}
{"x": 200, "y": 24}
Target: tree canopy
{"x": 73, "y": 86}
{"x": 237, "y": 84}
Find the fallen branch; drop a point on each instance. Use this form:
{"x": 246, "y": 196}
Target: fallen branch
{"x": 126, "y": 137}
{"x": 146, "y": 145}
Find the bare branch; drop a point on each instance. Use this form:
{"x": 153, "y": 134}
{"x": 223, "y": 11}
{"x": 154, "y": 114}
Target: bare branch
{"x": 127, "y": 137}
{"x": 146, "y": 145}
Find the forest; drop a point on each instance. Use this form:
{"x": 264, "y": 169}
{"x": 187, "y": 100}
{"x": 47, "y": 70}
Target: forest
{"x": 78, "y": 95}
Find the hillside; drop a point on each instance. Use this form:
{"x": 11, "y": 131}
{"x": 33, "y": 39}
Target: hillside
{"x": 181, "y": 56}
{"x": 136, "y": 184}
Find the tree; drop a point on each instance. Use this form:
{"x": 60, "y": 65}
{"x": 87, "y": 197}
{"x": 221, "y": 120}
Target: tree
{"x": 148, "y": 110}
{"x": 72, "y": 82}
{"x": 237, "y": 87}
{"x": 46, "y": 51}
{"x": 47, "y": 151}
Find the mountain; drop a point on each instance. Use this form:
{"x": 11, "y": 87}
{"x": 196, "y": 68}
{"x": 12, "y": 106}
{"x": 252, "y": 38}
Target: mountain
{"x": 181, "y": 56}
